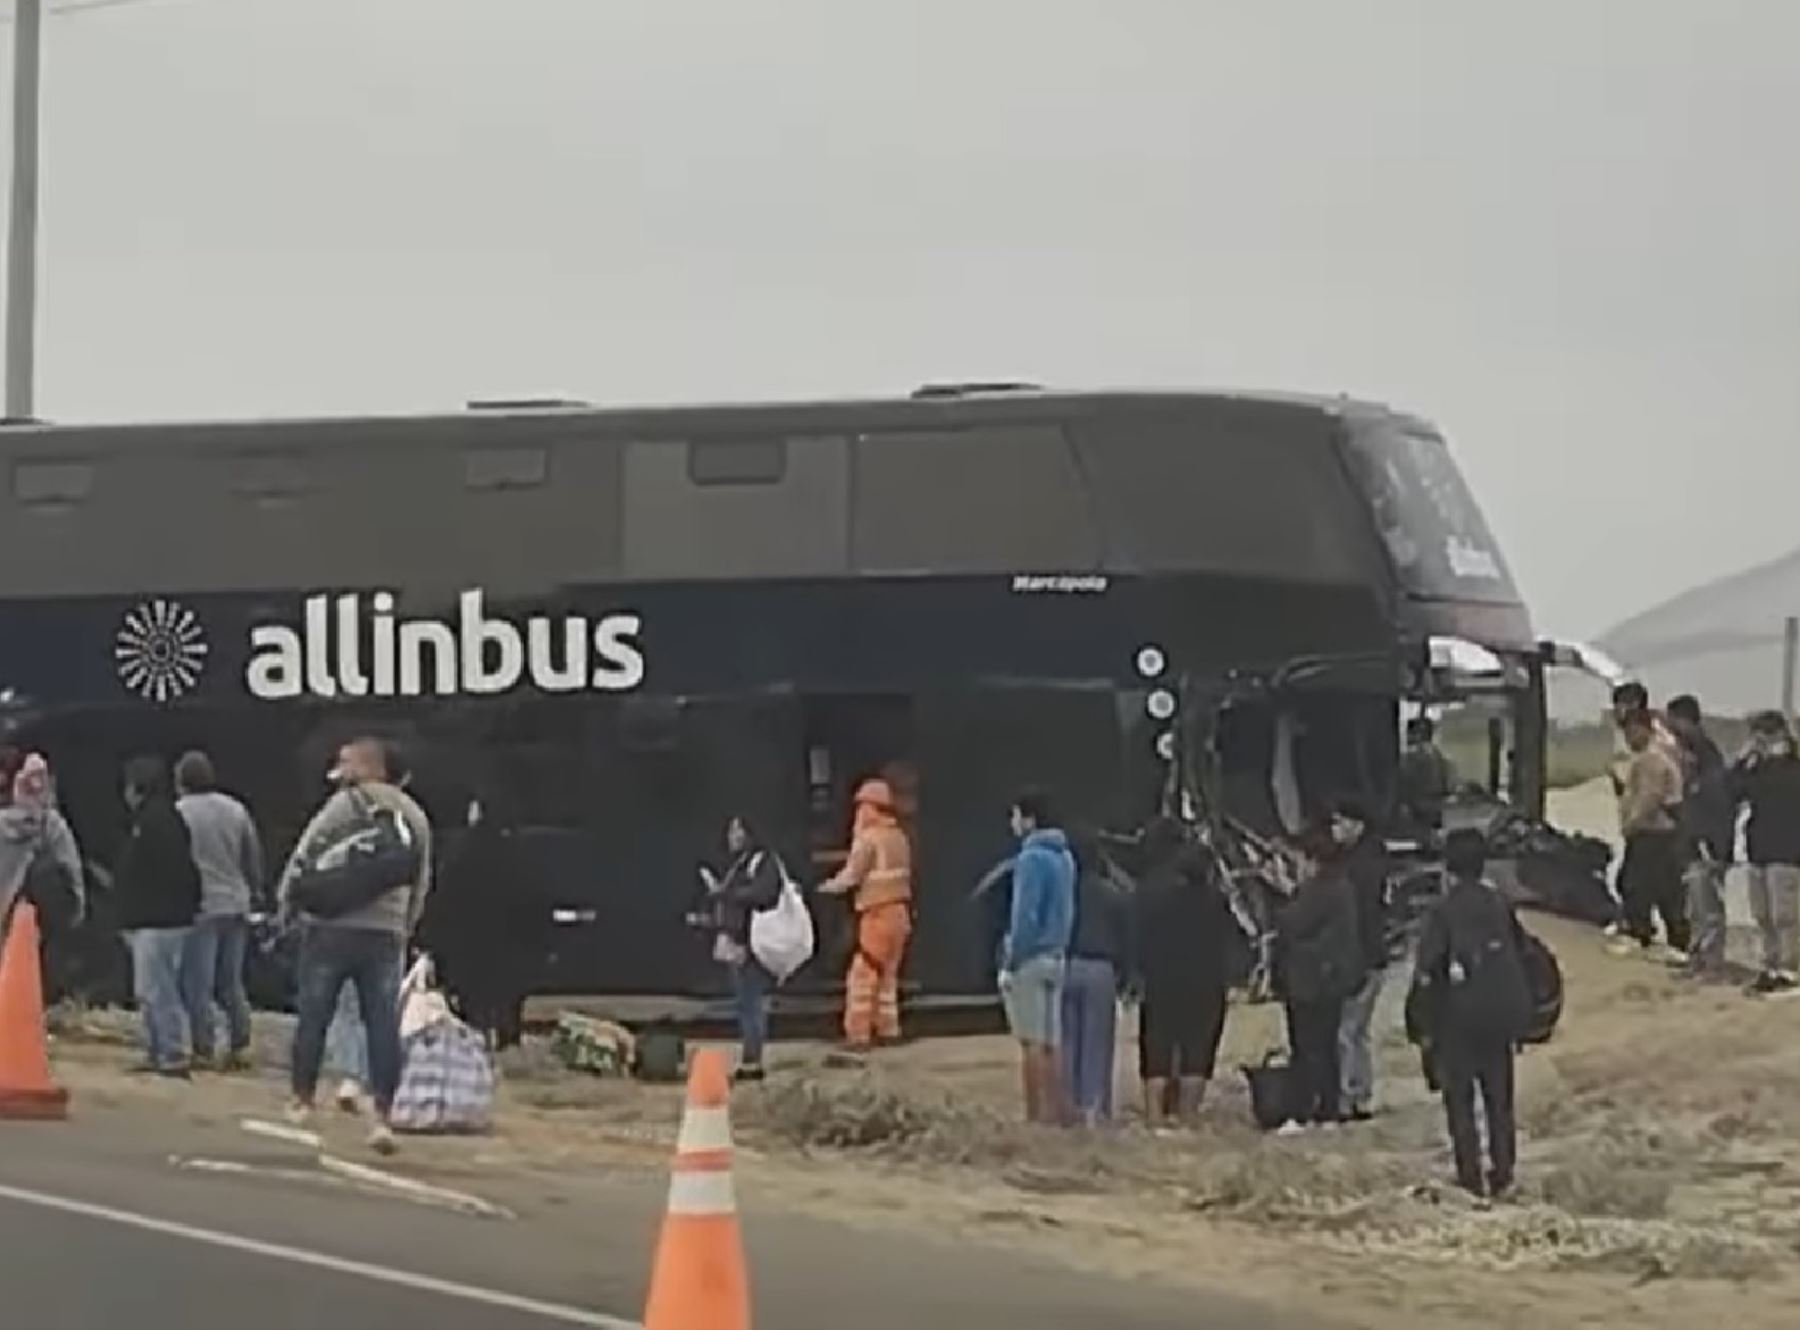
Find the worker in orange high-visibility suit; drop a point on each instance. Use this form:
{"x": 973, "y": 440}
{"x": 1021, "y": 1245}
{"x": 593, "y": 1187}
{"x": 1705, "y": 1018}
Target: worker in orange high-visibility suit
{"x": 878, "y": 875}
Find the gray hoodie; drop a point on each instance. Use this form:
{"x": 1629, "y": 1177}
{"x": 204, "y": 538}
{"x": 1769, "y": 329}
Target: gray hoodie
{"x": 227, "y": 852}
{"x": 24, "y": 834}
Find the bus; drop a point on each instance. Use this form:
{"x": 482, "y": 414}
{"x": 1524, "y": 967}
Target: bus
{"x": 637, "y": 622}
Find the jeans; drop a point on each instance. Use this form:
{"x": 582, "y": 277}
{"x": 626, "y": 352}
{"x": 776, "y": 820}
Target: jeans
{"x": 369, "y": 960}
{"x": 1090, "y": 1019}
{"x": 346, "y": 1044}
{"x": 750, "y": 992}
{"x": 1356, "y": 1052}
{"x": 213, "y": 968}
{"x": 1775, "y": 904}
{"x": 1706, "y": 910}
{"x": 156, "y": 981}
{"x": 1463, "y": 1069}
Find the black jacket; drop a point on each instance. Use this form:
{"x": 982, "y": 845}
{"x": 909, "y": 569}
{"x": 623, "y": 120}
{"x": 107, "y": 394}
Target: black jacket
{"x": 1474, "y": 926}
{"x": 1708, "y": 813}
{"x": 1770, "y": 784}
{"x": 156, "y": 884}
{"x": 1103, "y": 925}
{"x": 1183, "y": 925}
{"x": 1318, "y": 945}
{"x": 752, "y": 883}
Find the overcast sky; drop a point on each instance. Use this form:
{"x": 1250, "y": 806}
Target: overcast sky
{"x": 1568, "y": 230}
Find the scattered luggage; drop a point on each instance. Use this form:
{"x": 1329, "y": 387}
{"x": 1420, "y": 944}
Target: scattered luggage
{"x": 1271, "y": 1091}
{"x": 447, "y": 1077}
{"x": 1544, "y": 978}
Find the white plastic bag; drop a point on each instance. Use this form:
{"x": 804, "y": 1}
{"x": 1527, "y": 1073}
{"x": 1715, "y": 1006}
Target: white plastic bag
{"x": 421, "y": 1004}
{"x": 781, "y": 937}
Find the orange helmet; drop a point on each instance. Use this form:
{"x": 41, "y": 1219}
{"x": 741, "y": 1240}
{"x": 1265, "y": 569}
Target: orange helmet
{"x": 875, "y": 794}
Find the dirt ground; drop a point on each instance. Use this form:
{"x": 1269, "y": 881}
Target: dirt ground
{"x": 1660, "y": 1174}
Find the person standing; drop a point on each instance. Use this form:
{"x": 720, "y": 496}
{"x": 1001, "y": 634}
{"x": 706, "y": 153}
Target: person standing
{"x": 228, "y": 853}
{"x": 1100, "y": 952}
{"x": 487, "y": 923}
{"x": 1650, "y": 874}
{"x": 1469, "y": 1007}
{"x": 363, "y": 947}
{"x": 156, "y": 888}
{"x": 1708, "y": 823}
{"x": 1034, "y": 952}
{"x": 1366, "y": 866}
{"x": 877, "y": 877}
{"x": 1183, "y": 927}
{"x": 1320, "y": 964}
{"x": 1766, "y": 777}
{"x": 1426, "y": 779}
{"x": 751, "y": 882}
{"x": 38, "y": 852}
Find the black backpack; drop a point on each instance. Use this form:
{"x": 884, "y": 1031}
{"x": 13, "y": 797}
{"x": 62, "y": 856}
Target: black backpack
{"x": 378, "y": 856}
{"x": 1487, "y": 992}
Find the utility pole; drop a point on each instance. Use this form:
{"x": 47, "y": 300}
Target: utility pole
{"x": 21, "y": 233}
{"x": 1790, "y": 657}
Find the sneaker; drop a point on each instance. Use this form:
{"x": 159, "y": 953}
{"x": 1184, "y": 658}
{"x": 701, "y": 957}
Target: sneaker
{"x": 1622, "y": 946}
{"x": 748, "y": 1075}
{"x": 1291, "y": 1128}
{"x": 1500, "y": 1186}
{"x": 1613, "y": 930}
{"x": 1667, "y": 955}
{"x": 381, "y": 1139}
{"x": 1783, "y": 985}
{"x": 349, "y": 1096}
{"x": 236, "y": 1062}
{"x": 297, "y": 1114}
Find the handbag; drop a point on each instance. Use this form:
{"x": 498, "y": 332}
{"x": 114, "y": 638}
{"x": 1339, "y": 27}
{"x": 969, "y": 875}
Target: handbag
{"x": 782, "y": 936}
{"x": 422, "y": 1003}
{"x": 363, "y": 866}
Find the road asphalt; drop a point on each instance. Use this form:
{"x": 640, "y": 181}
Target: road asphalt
{"x": 101, "y": 1224}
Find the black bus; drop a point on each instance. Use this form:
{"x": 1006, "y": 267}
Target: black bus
{"x": 636, "y": 622}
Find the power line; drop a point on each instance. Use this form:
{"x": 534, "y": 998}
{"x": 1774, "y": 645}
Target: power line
{"x": 82, "y": 6}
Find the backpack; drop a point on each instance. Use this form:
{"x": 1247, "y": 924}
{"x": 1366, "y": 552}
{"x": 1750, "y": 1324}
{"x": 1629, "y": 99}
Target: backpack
{"x": 1487, "y": 992}
{"x": 361, "y": 867}
{"x": 661, "y": 1056}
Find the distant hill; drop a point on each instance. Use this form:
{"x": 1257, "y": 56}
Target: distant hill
{"x": 1721, "y": 641}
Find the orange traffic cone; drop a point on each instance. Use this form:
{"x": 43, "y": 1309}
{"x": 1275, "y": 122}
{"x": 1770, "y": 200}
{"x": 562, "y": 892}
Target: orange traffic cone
{"x": 699, "y": 1281}
{"x": 26, "y": 1090}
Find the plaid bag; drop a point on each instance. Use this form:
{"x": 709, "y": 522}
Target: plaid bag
{"x": 448, "y": 1083}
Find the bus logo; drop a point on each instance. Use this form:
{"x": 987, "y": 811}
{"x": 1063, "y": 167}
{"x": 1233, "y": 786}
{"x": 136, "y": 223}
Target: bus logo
{"x": 160, "y": 650}
{"x": 351, "y": 645}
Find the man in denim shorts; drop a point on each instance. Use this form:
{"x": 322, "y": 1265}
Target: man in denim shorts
{"x": 1035, "y": 951}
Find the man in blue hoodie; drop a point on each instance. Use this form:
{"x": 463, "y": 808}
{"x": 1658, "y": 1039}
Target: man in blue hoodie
{"x": 1035, "y": 950}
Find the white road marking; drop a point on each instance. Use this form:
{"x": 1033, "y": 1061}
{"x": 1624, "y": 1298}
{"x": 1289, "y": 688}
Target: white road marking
{"x": 424, "y": 1192}
{"x": 381, "y": 1274}
{"x": 278, "y": 1131}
